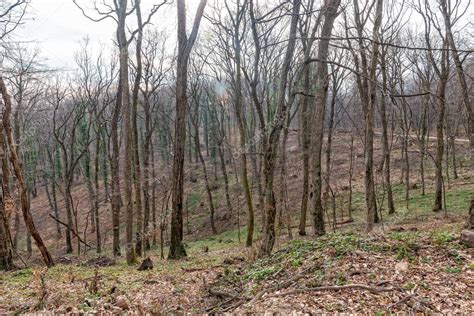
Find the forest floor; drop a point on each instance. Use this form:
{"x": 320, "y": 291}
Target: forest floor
{"x": 413, "y": 262}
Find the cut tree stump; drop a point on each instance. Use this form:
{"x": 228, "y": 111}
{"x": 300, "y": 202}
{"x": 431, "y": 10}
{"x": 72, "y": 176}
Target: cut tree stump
{"x": 467, "y": 238}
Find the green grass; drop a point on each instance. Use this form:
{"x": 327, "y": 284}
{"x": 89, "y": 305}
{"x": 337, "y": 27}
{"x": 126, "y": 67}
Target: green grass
{"x": 193, "y": 199}
{"x": 457, "y": 199}
{"x": 220, "y": 241}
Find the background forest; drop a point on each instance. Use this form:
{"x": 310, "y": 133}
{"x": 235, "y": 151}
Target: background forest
{"x": 290, "y": 155}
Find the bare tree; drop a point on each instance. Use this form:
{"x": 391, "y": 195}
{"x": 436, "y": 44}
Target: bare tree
{"x": 15, "y": 161}
{"x": 271, "y": 148}
{"x": 440, "y": 62}
{"x": 322, "y": 83}
{"x": 11, "y": 16}
{"x": 185, "y": 45}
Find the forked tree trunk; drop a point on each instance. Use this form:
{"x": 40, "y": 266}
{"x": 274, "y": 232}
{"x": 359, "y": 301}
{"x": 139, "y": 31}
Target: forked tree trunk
{"x": 241, "y": 122}
{"x": 369, "y": 180}
{"x": 447, "y": 11}
{"x": 185, "y": 46}
{"x": 322, "y": 83}
{"x": 271, "y": 148}
{"x": 127, "y": 127}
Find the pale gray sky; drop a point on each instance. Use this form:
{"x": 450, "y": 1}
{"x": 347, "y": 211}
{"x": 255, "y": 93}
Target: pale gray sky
{"x": 58, "y": 27}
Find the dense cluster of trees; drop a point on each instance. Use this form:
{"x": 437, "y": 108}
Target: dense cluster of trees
{"x": 245, "y": 74}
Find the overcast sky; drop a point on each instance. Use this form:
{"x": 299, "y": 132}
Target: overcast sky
{"x": 58, "y": 27}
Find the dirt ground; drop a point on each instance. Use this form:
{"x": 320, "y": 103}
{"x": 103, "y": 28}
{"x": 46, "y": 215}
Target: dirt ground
{"x": 412, "y": 263}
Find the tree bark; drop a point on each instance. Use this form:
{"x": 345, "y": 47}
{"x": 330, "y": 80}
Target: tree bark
{"x": 6, "y": 254}
{"x": 116, "y": 200}
{"x": 25, "y": 206}
{"x": 322, "y": 84}
{"x": 185, "y": 46}
{"x": 369, "y": 180}
{"x": 268, "y": 239}
{"x": 386, "y": 148}
{"x": 137, "y": 174}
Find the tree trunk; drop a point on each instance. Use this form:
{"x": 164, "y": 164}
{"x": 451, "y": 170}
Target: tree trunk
{"x": 268, "y": 239}
{"x": 197, "y": 144}
{"x": 446, "y": 11}
{"x": 6, "y": 255}
{"x": 137, "y": 173}
{"x": 306, "y": 143}
{"x": 470, "y": 219}
{"x": 116, "y": 200}
{"x": 52, "y": 203}
{"x": 127, "y": 124}
{"x": 241, "y": 122}
{"x": 96, "y": 194}
{"x": 441, "y": 108}
{"x": 369, "y": 180}
{"x": 322, "y": 83}
{"x": 146, "y": 176}
{"x": 185, "y": 46}
{"x": 25, "y": 206}
{"x": 386, "y": 148}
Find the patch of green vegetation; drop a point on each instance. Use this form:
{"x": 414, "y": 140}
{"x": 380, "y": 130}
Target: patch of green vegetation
{"x": 296, "y": 263}
{"x": 405, "y": 236}
{"x": 471, "y": 266}
{"x": 298, "y": 249}
{"x": 342, "y": 243}
{"x": 407, "y": 244}
{"x": 21, "y": 276}
{"x": 300, "y": 246}
{"x": 341, "y": 279}
{"x": 409, "y": 286}
{"x": 442, "y": 237}
{"x": 456, "y": 200}
{"x": 216, "y": 242}
{"x": 453, "y": 270}
{"x": 455, "y": 255}
{"x": 319, "y": 273}
{"x": 403, "y": 251}
{"x": 193, "y": 199}
{"x": 261, "y": 273}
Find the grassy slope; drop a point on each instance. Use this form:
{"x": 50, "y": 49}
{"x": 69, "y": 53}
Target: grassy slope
{"x": 438, "y": 268}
